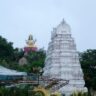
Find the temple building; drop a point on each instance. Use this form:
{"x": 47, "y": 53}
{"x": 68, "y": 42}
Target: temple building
{"x": 30, "y": 44}
{"x": 62, "y": 60}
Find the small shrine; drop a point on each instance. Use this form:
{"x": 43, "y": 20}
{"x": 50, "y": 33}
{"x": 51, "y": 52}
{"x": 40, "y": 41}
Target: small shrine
{"x": 30, "y": 44}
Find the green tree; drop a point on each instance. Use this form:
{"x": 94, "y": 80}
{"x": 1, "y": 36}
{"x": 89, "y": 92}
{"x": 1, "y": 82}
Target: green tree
{"x": 36, "y": 58}
{"x": 9, "y": 57}
{"x": 88, "y": 63}
{"x": 18, "y": 53}
{"x": 6, "y": 49}
{"x": 35, "y": 61}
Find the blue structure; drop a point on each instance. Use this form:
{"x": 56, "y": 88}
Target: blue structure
{"x": 8, "y": 74}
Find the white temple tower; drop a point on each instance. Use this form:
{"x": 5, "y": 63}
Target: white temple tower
{"x": 62, "y": 59}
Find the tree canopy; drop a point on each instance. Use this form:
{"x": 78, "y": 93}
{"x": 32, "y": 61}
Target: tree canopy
{"x": 88, "y": 63}
{"x": 6, "y": 49}
{"x": 9, "y": 57}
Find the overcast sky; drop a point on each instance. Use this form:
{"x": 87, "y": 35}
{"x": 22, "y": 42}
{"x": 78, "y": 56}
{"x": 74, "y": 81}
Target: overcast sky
{"x": 19, "y": 18}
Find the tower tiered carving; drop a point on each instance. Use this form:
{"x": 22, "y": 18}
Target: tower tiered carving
{"x": 62, "y": 59}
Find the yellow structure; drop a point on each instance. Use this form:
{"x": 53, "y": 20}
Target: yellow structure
{"x": 41, "y": 91}
{"x": 30, "y": 42}
{"x": 56, "y": 94}
{"x": 44, "y": 92}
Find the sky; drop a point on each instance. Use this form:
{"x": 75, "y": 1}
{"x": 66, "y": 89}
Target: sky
{"x": 19, "y": 18}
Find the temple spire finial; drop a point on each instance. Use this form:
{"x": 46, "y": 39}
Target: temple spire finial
{"x": 63, "y": 21}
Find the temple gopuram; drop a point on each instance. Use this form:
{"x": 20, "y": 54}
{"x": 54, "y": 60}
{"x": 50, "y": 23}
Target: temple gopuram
{"x": 62, "y": 60}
